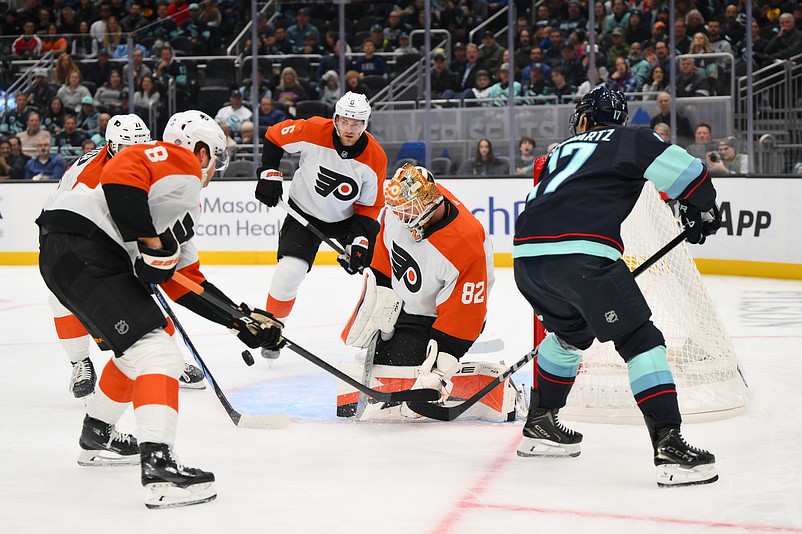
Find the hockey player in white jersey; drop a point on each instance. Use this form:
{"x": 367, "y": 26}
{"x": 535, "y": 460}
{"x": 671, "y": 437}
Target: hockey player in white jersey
{"x": 102, "y": 247}
{"x": 122, "y": 131}
{"x": 337, "y": 187}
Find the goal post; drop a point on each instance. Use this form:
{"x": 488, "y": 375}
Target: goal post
{"x": 701, "y": 356}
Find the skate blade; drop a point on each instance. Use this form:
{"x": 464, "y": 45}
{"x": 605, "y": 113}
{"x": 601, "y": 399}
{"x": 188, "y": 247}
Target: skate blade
{"x": 675, "y": 476}
{"x": 539, "y": 448}
{"x": 105, "y": 459}
{"x": 166, "y": 495}
{"x": 191, "y": 385}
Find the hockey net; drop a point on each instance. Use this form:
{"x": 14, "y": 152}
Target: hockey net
{"x": 700, "y": 353}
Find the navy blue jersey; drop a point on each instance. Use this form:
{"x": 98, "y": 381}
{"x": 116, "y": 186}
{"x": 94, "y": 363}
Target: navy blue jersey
{"x": 590, "y": 184}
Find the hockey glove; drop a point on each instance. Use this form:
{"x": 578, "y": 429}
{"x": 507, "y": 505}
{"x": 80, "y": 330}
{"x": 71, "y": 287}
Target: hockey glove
{"x": 699, "y": 225}
{"x": 269, "y": 187}
{"x": 356, "y": 257}
{"x": 262, "y": 330}
{"x": 436, "y": 371}
{"x": 157, "y": 265}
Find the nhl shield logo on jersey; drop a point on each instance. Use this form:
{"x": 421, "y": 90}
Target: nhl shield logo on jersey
{"x": 611, "y": 316}
{"x": 121, "y": 327}
{"x": 341, "y": 186}
{"x": 406, "y": 268}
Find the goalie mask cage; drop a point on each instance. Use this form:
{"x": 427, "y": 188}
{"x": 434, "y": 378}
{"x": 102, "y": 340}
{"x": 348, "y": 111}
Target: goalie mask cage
{"x": 700, "y": 353}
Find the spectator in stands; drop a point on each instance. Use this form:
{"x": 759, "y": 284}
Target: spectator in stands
{"x": 196, "y": 29}
{"x": 31, "y": 135}
{"x": 658, "y": 35}
{"x": 68, "y": 24}
{"x": 15, "y": 119}
{"x": 354, "y": 84}
{"x": 88, "y": 117}
{"x": 147, "y": 98}
{"x": 229, "y": 13}
{"x": 98, "y": 25}
{"x": 574, "y": 72}
{"x": 53, "y": 42}
{"x": 623, "y": 79}
{"x": 179, "y": 10}
{"x": 53, "y": 117}
{"x": 500, "y": 91}
{"x": 663, "y": 56}
{"x": 330, "y": 90}
{"x": 560, "y": 86}
{"x": 703, "y": 141}
{"x": 552, "y": 47}
{"x": 658, "y": 82}
{"x": 234, "y": 114}
{"x": 332, "y": 62}
{"x": 86, "y": 11}
{"x": 484, "y": 162}
{"x": 403, "y": 45}
{"x": 618, "y": 18}
{"x": 16, "y": 160}
{"x": 69, "y": 140}
{"x": 682, "y": 39}
{"x": 664, "y": 131}
{"x": 44, "y": 166}
{"x": 729, "y": 161}
{"x": 245, "y": 139}
{"x": 113, "y": 36}
{"x": 600, "y": 16}
{"x": 477, "y": 95}
{"x": 171, "y": 68}
{"x": 787, "y": 43}
{"x": 695, "y": 22}
{"x": 110, "y": 94}
{"x": 289, "y": 92}
{"x": 73, "y": 94}
{"x": 718, "y": 42}
{"x": 134, "y": 20}
{"x": 279, "y": 44}
{"x": 690, "y": 81}
{"x": 458, "y": 60}
{"x": 298, "y": 31}
{"x": 268, "y": 116}
{"x": 312, "y": 46}
{"x": 491, "y": 51}
{"x": 640, "y": 63}
{"x": 535, "y": 61}
{"x": 394, "y": 28}
{"x": 139, "y": 67}
{"x": 64, "y": 66}
{"x": 684, "y": 130}
{"x": 5, "y": 167}
{"x": 474, "y": 63}
{"x": 521, "y": 53}
{"x": 83, "y": 45}
{"x": 99, "y": 135}
{"x": 119, "y": 8}
{"x": 638, "y": 27}
{"x": 370, "y": 64}
{"x": 99, "y": 72}
{"x": 574, "y": 20}
{"x": 28, "y": 45}
{"x": 731, "y": 27}
{"x": 87, "y": 146}
{"x": 525, "y": 161}
{"x": 263, "y": 88}
{"x": 164, "y": 26}
{"x": 444, "y": 82}
{"x": 41, "y": 92}
{"x": 377, "y": 36}
{"x": 618, "y": 48}
{"x": 538, "y": 84}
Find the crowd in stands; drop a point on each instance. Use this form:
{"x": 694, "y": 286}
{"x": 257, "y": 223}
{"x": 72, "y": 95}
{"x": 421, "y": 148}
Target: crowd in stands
{"x": 89, "y": 75}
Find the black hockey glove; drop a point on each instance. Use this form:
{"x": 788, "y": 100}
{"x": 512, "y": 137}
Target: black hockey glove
{"x": 699, "y": 224}
{"x": 356, "y": 256}
{"x": 261, "y": 331}
{"x": 269, "y": 187}
{"x": 157, "y": 265}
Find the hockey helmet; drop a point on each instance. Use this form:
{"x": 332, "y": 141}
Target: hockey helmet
{"x": 188, "y": 128}
{"x": 601, "y": 106}
{"x": 352, "y": 106}
{"x": 125, "y": 130}
{"x": 412, "y": 196}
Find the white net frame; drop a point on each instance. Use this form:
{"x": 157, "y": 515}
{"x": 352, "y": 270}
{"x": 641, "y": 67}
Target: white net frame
{"x": 706, "y": 371}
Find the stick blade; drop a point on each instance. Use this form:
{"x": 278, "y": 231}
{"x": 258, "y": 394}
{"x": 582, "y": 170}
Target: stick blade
{"x": 432, "y": 411}
{"x": 415, "y": 395}
{"x": 271, "y": 421}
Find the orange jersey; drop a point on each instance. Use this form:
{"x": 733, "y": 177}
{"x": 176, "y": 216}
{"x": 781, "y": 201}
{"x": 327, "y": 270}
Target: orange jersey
{"x": 447, "y": 275}
{"x": 326, "y": 185}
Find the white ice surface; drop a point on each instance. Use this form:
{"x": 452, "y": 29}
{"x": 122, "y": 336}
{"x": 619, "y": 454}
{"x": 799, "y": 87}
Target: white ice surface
{"x": 327, "y": 475}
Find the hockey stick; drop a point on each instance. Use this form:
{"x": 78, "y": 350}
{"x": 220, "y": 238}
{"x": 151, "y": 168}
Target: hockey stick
{"x": 444, "y": 413}
{"x": 309, "y": 226}
{"x": 240, "y": 420}
{"x": 237, "y": 316}
{"x": 483, "y": 347}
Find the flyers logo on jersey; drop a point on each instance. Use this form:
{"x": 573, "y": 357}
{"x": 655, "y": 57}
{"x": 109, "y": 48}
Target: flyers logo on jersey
{"x": 341, "y": 186}
{"x": 406, "y": 268}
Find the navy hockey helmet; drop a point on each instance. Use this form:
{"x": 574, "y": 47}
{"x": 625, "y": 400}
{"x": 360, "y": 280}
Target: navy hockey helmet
{"x": 601, "y": 106}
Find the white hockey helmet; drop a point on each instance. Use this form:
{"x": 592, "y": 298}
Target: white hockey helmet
{"x": 125, "y": 130}
{"x": 352, "y": 106}
{"x": 412, "y": 196}
{"x": 188, "y": 128}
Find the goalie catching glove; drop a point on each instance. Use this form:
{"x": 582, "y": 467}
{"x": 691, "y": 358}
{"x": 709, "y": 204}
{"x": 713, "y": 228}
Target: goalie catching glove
{"x": 269, "y": 187}
{"x": 356, "y": 257}
{"x": 699, "y": 224}
{"x": 157, "y": 265}
{"x": 257, "y": 328}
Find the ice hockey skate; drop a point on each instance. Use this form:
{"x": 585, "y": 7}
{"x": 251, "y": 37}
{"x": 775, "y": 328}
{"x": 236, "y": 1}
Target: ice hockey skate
{"x": 679, "y": 464}
{"x": 169, "y": 484}
{"x": 102, "y": 445}
{"x": 191, "y": 378}
{"x": 83, "y": 379}
{"x": 545, "y": 436}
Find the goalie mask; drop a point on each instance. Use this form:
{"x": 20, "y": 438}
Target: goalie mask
{"x": 601, "y": 106}
{"x": 413, "y": 197}
{"x": 123, "y": 131}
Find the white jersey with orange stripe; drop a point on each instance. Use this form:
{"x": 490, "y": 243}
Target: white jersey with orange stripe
{"x": 328, "y": 185}
{"x": 143, "y": 191}
{"x": 447, "y": 275}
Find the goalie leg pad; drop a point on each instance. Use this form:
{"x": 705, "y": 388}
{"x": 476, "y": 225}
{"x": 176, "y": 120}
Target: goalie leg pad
{"x": 377, "y": 310}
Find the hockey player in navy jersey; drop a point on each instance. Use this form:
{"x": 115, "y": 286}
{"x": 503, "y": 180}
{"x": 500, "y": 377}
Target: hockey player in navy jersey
{"x": 568, "y": 264}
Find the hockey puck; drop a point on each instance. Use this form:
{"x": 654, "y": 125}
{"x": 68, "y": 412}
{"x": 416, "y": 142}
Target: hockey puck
{"x": 247, "y": 357}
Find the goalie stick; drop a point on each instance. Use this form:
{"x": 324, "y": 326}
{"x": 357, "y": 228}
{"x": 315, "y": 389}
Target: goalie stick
{"x": 236, "y": 315}
{"x": 449, "y": 413}
{"x": 309, "y": 226}
{"x": 271, "y": 421}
